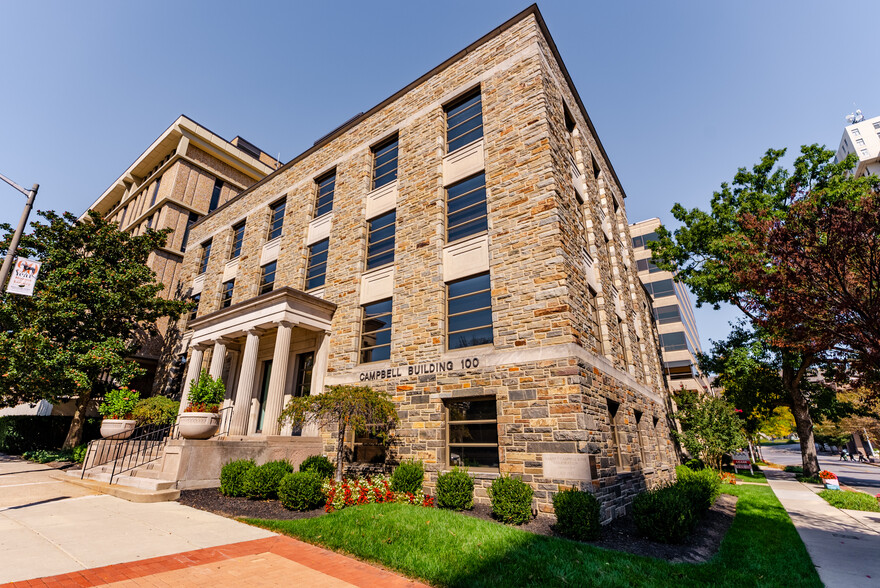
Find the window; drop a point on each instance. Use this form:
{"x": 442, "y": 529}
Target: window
{"x": 376, "y": 332}
{"x": 472, "y": 433}
{"x": 206, "y": 255}
{"x": 464, "y": 121}
{"x": 276, "y": 218}
{"x": 597, "y": 171}
{"x": 156, "y": 190}
{"x": 215, "y": 195}
{"x": 326, "y": 188}
{"x": 380, "y": 241}
{"x": 660, "y": 288}
{"x": 863, "y": 152}
{"x": 569, "y": 120}
{"x": 593, "y": 319}
{"x": 237, "y": 239}
{"x": 646, "y": 265}
{"x": 860, "y": 142}
{"x": 317, "y": 269}
{"x": 190, "y": 221}
{"x": 643, "y": 240}
{"x": 673, "y": 341}
{"x": 267, "y": 279}
{"x": 385, "y": 163}
{"x": 469, "y": 312}
{"x": 667, "y": 314}
{"x": 226, "y": 293}
{"x": 466, "y": 208}
{"x": 658, "y": 433}
{"x": 150, "y": 221}
{"x": 305, "y": 363}
{"x": 678, "y": 370}
{"x": 195, "y": 309}
{"x": 616, "y": 440}
{"x": 856, "y": 133}
{"x": 877, "y": 125}
{"x": 640, "y": 438}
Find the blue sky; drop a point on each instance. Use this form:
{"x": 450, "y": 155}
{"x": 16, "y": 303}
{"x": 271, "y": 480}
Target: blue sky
{"x": 681, "y": 93}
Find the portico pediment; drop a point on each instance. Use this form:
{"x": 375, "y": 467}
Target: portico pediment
{"x": 266, "y": 311}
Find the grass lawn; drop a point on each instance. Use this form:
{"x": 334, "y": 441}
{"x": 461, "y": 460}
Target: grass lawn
{"x": 445, "y": 548}
{"x": 851, "y": 500}
{"x": 744, "y": 476}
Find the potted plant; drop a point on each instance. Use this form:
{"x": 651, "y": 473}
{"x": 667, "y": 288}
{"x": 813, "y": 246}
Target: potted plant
{"x": 830, "y": 480}
{"x": 116, "y": 410}
{"x": 201, "y": 417}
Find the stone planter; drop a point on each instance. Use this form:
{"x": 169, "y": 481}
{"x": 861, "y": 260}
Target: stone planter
{"x": 117, "y": 428}
{"x": 198, "y": 425}
{"x": 832, "y": 484}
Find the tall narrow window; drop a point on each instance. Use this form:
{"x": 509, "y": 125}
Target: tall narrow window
{"x": 376, "y": 332}
{"x": 267, "y": 278}
{"x": 215, "y": 195}
{"x": 122, "y": 216}
{"x": 469, "y": 312}
{"x": 156, "y": 190}
{"x": 642, "y": 450}
{"x": 237, "y": 240}
{"x": 317, "y": 269}
{"x": 595, "y": 326}
{"x": 326, "y": 188}
{"x": 380, "y": 241}
{"x": 190, "y": 221}
{"x": 616, "y": 442}
{"x": 466, "y": 208}
{"x": 305, "y": 363}
{"x": 473, "y": 433}
{"x": 150, "y": 221}
{"x": 206, "y": 255}
{"x": 385, "y": 163}
{"x": 464, "y": 121}
{"x": 276, "y": 218}
{"x": 658, "y": 433}
{"x": 226, "y": 293}
{"x": 195, "y": 309}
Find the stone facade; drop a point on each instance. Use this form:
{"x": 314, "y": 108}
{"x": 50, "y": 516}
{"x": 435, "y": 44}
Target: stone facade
{"x": 573, "y": 341}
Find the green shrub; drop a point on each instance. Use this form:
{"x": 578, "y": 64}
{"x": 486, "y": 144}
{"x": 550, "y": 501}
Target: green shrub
{"x": 706, "y": 483}
{"x": 511, "y": 500}
{"x": 318, "y": 464}
{"x": 794, "y": 469}
{"x": 455, "y": 489}
{"x": 232, "y": 476}
{"x": 262, "y": 481}
{"x": 408, "y": 477}
{"x": 119, "y": 403}
{"x": 577, "y": 514}
{"x": 156, "y": 410}
{"x": 695, "y": 464}
{"x": 47, "y": 455}
{"x": 301, "y": 490}
{"x": 666, "y": 514}
{"x": 79, "y": 452}
{"x": 851, "y": 500}
{"x": 20, "y": 433}
{"x": 206, "y": 393}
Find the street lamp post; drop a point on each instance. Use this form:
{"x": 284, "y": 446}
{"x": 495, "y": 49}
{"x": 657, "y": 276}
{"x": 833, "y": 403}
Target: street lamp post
{"x": 13, "y": 245}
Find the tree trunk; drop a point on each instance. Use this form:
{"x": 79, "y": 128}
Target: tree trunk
{"x": 340, "y": 450}
{"x": 800, "y": 409}
{"x": 74, "y": 433}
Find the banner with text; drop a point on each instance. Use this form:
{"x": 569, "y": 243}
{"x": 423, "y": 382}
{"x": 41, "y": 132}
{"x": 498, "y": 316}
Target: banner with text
{"x": 24, "y": 276}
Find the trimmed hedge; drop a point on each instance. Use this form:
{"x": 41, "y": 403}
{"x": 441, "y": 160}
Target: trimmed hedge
{"x": 318, "y": 464}
{"x": 577, "y": 514}
{"x": 455, "y": 489}
{"x": 666, "y": 514}
{"x": 20, "y": 433}
{"x": 706, "y": 481}
{"x": 232, "y": 476}
{"x": 511, "y": 500}
{"x": 262, "y": 481}
{"x": 408, "y": 477}
{"x": 301, "y": 490}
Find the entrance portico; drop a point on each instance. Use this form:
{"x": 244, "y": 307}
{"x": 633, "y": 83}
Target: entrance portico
{"x": 267, "y": 349}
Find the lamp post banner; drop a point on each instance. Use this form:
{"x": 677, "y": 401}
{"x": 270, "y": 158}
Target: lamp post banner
{"x": 24, "y": 276}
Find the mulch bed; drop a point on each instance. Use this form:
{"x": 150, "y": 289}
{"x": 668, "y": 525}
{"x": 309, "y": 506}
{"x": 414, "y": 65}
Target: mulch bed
{"x": 620, "y": 535}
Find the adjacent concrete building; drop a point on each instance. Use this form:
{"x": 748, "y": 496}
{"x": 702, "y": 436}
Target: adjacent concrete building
{"x": 464, "y": 246}
{"x": 673, "y": 313}
{"x": 183, "y": 175}
{"x": 862, "y": 138}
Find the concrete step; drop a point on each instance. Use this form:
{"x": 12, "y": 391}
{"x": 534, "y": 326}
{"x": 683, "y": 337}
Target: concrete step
{"x": 144, "y": 483}
{"x": 125, "y": 492}
{"x": 154, "y": 474}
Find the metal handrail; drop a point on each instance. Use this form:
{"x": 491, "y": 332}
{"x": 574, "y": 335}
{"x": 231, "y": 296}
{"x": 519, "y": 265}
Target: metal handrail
{"x": 148, "y": 447}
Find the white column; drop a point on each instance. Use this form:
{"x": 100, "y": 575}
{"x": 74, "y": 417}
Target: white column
{"x": 242, "y": 407}
{"x": 193, "y": 369}
{"x": 218, "y": 357}
{"x": 319, "y": 370}
{"x": 277, "y": 380}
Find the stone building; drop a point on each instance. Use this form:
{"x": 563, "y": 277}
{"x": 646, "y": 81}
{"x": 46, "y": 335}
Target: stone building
{"x": 464, "y": 246}
{"x": 183, "y": 175}
{"x": 673, "y": 314}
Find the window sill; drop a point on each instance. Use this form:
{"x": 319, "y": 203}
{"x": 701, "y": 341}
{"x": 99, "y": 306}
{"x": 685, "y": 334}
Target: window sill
{"x": 477, "y": 474}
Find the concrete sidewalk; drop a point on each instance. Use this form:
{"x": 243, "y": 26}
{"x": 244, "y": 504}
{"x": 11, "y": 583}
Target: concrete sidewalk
{"x": 843, "y": 544}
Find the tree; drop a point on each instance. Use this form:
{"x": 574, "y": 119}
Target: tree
{"x": 727, "y": 255}
{"x": 94, "y": 303}
{"x": 710, "y": 427}
{"x": 349, "y": 408}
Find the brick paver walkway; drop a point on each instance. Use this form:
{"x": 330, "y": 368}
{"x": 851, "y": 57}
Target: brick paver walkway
{"x": 274, "y": 561}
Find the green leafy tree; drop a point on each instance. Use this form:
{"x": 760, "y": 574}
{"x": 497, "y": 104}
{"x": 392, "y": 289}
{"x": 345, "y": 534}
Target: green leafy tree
{"x": 348, "y": 408}
{"x": 757, "y": 247}
{"x": 710, "y": 427}
{"x": 94, "y": 304}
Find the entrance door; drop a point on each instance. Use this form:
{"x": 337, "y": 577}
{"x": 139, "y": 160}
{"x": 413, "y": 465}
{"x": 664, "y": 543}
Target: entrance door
{"x": 264, "y": 393}
{"x": 303, "y": 382}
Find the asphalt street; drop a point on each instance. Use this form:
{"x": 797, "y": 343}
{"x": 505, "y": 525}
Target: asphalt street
{"x": 859, "y": 476}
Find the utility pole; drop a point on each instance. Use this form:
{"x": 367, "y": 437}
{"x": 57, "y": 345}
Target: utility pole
{"x": 13, "y": 245}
